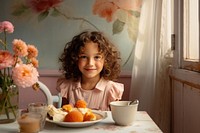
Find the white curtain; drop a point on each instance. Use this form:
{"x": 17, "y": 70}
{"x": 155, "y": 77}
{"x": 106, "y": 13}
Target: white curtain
{"x": 150, "y": 82}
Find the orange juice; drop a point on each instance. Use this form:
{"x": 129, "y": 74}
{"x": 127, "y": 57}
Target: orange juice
{"x": 29, "y": 123}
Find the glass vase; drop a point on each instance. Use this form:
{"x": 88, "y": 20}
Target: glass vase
{"x": 9, "y": 103}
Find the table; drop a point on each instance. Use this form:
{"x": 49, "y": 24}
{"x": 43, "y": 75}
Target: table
{"x": 142, "y": 124}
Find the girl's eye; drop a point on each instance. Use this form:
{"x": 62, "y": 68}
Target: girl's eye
{"x": 98, "y": 57}
{"x": 83, "y": 57}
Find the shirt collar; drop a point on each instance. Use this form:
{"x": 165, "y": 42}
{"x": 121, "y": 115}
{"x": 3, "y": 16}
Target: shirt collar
{"x": 100, "y": 85}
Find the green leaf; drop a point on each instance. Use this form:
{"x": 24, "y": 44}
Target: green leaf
{"x": 134, "y": 13}
{"x": 122, "y": 15}
{"x": 132, "y": 27}
{"x": 19, "y": 10}
{"x": 118, "y": 26}
{"x": 43, "y": 15}
{"x": 55, "y": 13}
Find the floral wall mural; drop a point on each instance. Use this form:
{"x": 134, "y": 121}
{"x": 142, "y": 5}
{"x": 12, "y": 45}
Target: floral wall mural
{"x": 52, "y": 23}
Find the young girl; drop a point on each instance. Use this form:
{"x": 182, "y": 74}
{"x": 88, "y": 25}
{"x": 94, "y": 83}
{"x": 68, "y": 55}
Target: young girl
{"x": 89, "y": 63}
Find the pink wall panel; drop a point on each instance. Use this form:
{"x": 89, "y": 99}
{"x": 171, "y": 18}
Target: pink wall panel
{"x": 28, "y": 95}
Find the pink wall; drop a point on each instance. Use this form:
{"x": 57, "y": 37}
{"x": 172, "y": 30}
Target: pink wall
{"x": 49, "y": 78}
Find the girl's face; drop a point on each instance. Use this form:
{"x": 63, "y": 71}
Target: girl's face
{"x": 90, "y": 61}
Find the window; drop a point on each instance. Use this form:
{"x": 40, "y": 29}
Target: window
{"x": 190, "y": 49}
{"x": 191, "y": 30}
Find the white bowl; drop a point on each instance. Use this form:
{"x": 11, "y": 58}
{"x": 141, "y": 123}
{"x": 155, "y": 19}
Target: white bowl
{"x": 122, "y": 113}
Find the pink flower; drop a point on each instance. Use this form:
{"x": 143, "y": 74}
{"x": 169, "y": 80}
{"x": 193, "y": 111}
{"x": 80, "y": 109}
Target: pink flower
{"x": 43, "y": 5}
{"x": 105, "y": 9}
{"x": 25, "y": 75}
{"x": 34, "y": 61}
{"x": 128, "y": 4}
{"x": 6, "y": 26}
{"x": 19, "y": 48}
{"x": 32, "y": 51}
{"x": 19, "y": 60}
{"x": 6, "y": 59}
{"x": 23, "y": 62}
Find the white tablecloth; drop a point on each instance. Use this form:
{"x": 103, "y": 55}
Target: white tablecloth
{"x": 142, "y": 124}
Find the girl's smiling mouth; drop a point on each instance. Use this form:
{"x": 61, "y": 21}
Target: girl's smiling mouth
{"x": 90, "y": 69}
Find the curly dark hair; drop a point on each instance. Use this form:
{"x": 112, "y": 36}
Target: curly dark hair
{"x": 69, "y": 57}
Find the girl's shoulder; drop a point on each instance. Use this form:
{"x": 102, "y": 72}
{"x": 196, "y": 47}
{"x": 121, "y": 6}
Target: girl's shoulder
{"x": 114, "y": 90}
{"x": 112, "y": 85}
{"x": 62, "y": 82}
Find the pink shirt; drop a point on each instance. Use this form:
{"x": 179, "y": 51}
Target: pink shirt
{"x": 98, "y": 98}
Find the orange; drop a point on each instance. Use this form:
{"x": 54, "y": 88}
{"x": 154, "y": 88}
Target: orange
{"x": 89, "y": 116}
{"x": 74, "y": 116}
{"x": 80, "y": 104}
{"x": 67, "y": 107}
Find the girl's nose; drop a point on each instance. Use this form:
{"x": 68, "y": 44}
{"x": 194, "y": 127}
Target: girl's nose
{"x": 90, "y": 61}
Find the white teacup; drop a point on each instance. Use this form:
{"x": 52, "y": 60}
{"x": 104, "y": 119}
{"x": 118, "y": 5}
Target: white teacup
{"x": 122, "y": 113}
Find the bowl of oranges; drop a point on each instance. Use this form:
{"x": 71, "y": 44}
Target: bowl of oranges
{"x": 74, "y": 116}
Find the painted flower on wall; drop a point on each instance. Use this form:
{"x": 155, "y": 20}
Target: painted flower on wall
{"x": 40, "y": 6}
{"x": 45, "y": 8}
{"x": 120, "y": 13}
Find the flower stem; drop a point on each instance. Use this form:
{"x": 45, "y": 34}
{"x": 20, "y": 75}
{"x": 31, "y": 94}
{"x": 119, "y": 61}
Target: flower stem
{"x": 6, "y": 111}
{"x": 5, "y": 40}
{"x": 128, "y": 57}
{"x": 75, "y": 18}
{"x": 4, "y": 105}
{"x": 2, "y": 42}
{"x": 7, "y": 104}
